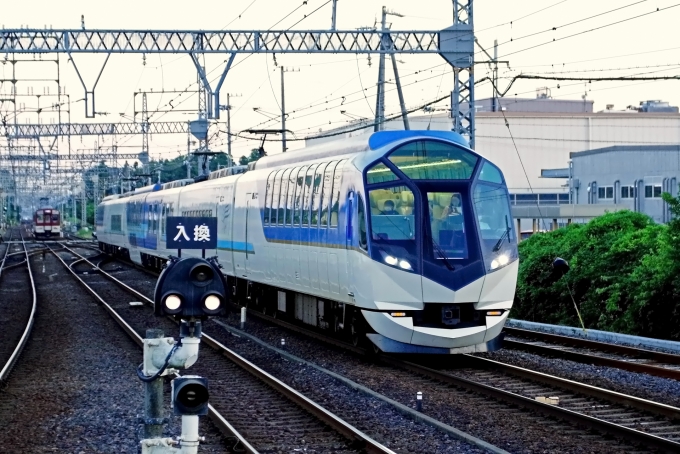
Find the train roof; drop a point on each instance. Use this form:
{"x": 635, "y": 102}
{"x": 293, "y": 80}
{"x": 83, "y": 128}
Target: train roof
{"x": 357, "y": 144}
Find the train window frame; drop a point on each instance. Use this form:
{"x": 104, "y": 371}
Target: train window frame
{"x": 268, "y": 197}
{"x": 327, "y": 194}
{"x": 290, "y": 198}
{"x": 299, "y": 194}
{"x": 283, "y": 196}
{"x": 316, "y": 194}
{"x": 307, "y": 195}
{"x": 276, "y": 195}
{"x": 335, "y": 204}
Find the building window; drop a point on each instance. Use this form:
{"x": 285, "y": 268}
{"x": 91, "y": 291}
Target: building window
{"x": 605, "y": 192}
{"x": 653, "y": 192}
{"x": 628, "y": 192}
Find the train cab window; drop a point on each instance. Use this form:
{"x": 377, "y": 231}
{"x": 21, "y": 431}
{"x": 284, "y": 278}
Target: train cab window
{"x": 335, "y": 200}
{"x": 284, "y": 196}
{"x": 326, "y": 192}
{"x": 39, "y": 217}
{"x": 307, "y": 197}
{"x": 447, "y": 224}
{"x": 299, "y": 190}
{"x": 392, "y": 213}
{"x": 380, "y": 173}
{"x": 432, "y": 160}
{"x": 491, "y": 173}
{"x": 268, "y": 197}
{"x": 493, "y": 218}
{"x": 55, "y": 217}
{"x": 290, "y": 198}
{"x": 316, "y": 194}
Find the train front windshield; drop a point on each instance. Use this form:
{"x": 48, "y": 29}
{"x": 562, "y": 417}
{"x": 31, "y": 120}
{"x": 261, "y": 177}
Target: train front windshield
{"x": 445, "y": 198}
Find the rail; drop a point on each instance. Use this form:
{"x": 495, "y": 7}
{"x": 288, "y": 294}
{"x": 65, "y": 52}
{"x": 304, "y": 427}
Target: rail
{"x": 369, "y": 445}
{"x": 7, "y": 368}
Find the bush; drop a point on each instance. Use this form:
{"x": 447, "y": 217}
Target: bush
{"x": 624, "y": 276}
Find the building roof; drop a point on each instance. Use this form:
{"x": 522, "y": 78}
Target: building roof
{"x": 623, "y": 148}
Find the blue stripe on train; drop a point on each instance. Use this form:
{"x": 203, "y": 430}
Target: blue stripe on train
{"x": 236, "y": 246}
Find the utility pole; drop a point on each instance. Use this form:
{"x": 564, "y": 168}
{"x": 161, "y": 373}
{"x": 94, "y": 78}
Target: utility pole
{"x": 229, "y": 158}
{"x": 144, "y": 157}
{"x": 380, "y": 98}
{"x": 283, "y": 112}
{"x": 283, "y": 108}
{"x": 386, "y": 44}
{"x": 495, "y": 75}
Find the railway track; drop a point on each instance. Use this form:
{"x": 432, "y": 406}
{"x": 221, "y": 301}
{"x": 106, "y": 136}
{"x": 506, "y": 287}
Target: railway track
{"x": 18, "y": 303}
{"x": 264, "y": 413}
{"x": 642, "y": 422}
{"x": 587, "y": 351}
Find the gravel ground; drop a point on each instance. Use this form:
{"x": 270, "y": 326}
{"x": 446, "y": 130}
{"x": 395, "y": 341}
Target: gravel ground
{"x": 664, "y": 390}
{"x": 377, "y": 419}
{"x": 516, "y": 431}
{"x": 513, "y": 430}
{"x": 75, "y": 389}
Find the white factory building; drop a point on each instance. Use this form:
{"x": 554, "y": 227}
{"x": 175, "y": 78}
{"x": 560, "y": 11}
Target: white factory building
{"x": 545, "y": 132}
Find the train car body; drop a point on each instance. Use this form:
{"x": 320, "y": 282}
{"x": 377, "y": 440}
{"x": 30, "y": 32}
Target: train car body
{"x": 404, "y": 238}
{"x": 47, "y": 223}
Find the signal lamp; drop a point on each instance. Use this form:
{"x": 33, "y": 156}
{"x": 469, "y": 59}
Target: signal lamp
{"x": 190, "y": 288}
{"x": 190, "y": 395}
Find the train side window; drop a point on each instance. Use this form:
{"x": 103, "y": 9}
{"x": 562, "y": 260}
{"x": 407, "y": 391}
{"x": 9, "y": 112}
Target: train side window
{"x": 326, "y": 191}
{"x": 335, "y": 201}
{"x": 299, "y": 192}
{"x": 276, "y": 191}
{"x": 290, "y": 199}
{"x": 268, "y": 197}
{"x": 284, "y": 196}
{"x": 307, "y": 203}
{"x": 363, "y": 237}
{"x": 316, "y": 202}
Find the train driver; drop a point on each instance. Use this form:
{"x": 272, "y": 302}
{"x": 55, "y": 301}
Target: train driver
{"x": 388, "y": 209}
{"x": 454, "y": 208}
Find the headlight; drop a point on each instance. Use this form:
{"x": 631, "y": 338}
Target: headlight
{"x": 173, "y": 302}
{"x": 503, "y": 259}
{"x": 212, "y": 303}
{"x": 403, "y": 264}
{"x": 494, "y": 264}
{"x": 391, "y": 260}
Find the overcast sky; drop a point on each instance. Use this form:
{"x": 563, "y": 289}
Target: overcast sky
{"x": 589, "y": 39}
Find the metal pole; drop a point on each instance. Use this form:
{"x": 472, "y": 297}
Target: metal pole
{"x": 153, "y": 399}
{"x": 229, "y": 130}
{"x": 335, "y": 5}
{"x": 404, "y": 114}
{"x": 380, "y": 102}
{"x": 283, "y": 112}
{"x": 495, "y": 75}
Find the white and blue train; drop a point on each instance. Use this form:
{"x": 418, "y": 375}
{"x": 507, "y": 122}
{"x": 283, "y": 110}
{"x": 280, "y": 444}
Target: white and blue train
{"x": 402, "y": 237}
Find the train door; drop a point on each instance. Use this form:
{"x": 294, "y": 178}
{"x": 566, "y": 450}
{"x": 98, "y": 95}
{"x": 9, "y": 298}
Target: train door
{"x": 239, "y": 242}
{"x": 225, "y": 228}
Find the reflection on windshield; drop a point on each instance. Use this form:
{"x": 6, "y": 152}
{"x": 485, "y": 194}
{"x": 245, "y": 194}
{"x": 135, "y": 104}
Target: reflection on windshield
{"x": 392, "y": 216}
{"x": 447, "y": 224}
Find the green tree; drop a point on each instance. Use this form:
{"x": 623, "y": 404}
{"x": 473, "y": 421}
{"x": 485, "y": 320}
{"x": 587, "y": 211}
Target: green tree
{"x": 254, "y": 156}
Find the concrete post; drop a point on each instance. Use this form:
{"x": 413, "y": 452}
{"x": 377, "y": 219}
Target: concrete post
{"x": 153, "y": 399}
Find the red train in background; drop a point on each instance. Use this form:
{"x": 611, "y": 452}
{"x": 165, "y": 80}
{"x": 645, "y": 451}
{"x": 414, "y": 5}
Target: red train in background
{"x": 46, "y": 223}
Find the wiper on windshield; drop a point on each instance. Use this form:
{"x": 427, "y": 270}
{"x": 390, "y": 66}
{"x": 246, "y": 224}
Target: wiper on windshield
{"x": 441, "y": 253}
{"x": 505, "y": 235}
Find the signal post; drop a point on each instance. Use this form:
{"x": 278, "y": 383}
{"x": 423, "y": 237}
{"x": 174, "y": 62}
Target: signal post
{"x": 190, "y": 290}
